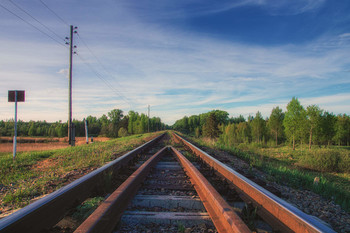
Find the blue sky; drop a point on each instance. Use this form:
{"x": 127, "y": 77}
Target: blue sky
{"x": 181, "y": 57}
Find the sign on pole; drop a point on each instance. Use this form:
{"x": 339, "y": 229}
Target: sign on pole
{"x": 15, "y": 96}
{"x": 20, "y": 96}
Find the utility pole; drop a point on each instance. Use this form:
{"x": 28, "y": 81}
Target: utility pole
{"x": 148, "y": 117}
{"x": 70, "y": 86}
{"x": 70, "y": 128}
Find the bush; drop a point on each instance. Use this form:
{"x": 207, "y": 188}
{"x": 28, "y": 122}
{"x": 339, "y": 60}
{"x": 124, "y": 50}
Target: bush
{"x": 323, "y": 160}
{"x": 271, "y": 144}
{"x": 122, "y": 132}
{"x": 344, "y": 164}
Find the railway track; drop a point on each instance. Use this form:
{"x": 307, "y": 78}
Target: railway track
{"x": 164, "y": 191}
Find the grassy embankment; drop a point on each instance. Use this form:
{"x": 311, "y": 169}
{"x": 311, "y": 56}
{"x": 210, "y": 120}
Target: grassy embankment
{"x": 33, "y": 174}
{"x": 298, "y": 168}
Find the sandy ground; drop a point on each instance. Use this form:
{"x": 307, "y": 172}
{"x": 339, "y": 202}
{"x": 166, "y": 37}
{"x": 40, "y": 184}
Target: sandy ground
{"x": 55, "y": 143}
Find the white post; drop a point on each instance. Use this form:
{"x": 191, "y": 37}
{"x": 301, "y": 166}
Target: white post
{"x": 15, "y": 136}
{"x": 86, "y": 132}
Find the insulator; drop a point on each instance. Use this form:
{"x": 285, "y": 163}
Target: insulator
{"x": 67, "y": 38}
{"x": 67, "y": 43}
{"x": 75, "y": 27}
{"x": 75, "y": 32}
{"x": 75, "y": 46}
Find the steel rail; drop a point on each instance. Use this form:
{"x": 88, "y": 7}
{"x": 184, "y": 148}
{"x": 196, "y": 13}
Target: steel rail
{"x": 222, "y": 214}
{"x": 107, "y": 215}
{"x": 47, "y": 211}
{"x": 290, "y": 216}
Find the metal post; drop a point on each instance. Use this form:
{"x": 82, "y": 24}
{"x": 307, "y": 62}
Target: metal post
{"x": 148, "y": 118}
{"x": 70, "y": 86}
{"x": 15, "y": 136}
{"x": 86, "y": 132}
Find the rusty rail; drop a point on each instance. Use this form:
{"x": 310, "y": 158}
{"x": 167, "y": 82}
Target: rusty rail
{"x": 106, "y": 216}
{"x": 272, "y": 206}
{"x": 223, "y": 216}
{"x": 48, "y": 210}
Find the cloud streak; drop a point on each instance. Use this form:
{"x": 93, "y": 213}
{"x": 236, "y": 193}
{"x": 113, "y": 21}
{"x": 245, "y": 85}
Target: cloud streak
{"x": 195, "y": 8}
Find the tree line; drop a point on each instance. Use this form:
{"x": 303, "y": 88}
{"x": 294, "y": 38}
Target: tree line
{"x": 311, "y": 125}
{"x": 114, "y": 124}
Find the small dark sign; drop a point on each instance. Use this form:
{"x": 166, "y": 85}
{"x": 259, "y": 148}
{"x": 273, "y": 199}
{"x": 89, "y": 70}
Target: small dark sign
{"x": 20, "y": 96}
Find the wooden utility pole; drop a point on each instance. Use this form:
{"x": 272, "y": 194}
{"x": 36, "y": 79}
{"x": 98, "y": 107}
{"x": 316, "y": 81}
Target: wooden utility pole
{"x": 70, "y": 86}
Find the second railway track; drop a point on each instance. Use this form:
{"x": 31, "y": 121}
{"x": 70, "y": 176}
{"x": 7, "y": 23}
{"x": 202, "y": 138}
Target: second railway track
{"x": 168, "y": 193}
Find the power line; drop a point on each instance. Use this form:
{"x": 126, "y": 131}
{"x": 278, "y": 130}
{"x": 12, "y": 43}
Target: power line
{"x": 104, "y": 80}
{"x": 32, "y": 25}
{"x": 93, "y": 54}
{"x": 98, "y": 60}
{"x": 36, "y": 19}
{"x": 60, "y": 18}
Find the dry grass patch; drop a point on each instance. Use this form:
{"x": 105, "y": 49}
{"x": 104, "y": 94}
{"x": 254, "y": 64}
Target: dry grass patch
{"x": 42, "y": 144}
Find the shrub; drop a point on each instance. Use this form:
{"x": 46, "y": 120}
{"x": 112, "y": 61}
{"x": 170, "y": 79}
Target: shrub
{"x": 344, "y": 164}
{"x": 122, "y": 132}
{"x": 321, "y": 160}
{"x": 271, "y": 144}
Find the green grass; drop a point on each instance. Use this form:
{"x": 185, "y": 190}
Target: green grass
{"x": 33, "y": 174}
{"x": 86, "y": 208}
{"x": 288, "y": 167}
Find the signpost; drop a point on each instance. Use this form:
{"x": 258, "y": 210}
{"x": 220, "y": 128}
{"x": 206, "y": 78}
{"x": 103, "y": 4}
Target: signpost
{"x": 15, "y": 96}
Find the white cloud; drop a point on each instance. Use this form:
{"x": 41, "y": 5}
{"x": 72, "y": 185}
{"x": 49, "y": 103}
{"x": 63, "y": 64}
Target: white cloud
{"x": 63, "y": 72}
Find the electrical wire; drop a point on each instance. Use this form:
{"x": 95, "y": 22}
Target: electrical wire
{"x": 32, "y": 25}
{"x": 99, "y": 61}
{"x": 85, "y": 44}
{"x": 104, "y": 80}
{"x": 16, "y": 5}
{"x": 93, "y": 54}
{"x": 60, "y": 18}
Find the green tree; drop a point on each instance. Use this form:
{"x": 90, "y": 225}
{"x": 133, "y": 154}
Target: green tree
{"x": 94, "y": 126}
{"x": 237, "y": 120}
{"x": 182, "y": 125}
{"x": 342, "y": 130}
{"x": 275, "y": 122}
{"x": 104, "y": 122}
{"x": 221, "y": 116}
{"x": 60, "y": 130}
{"x": 258, "y": 127}
{"x": 327, "y": 128}
{"x": 131, "y": 123}
{"x": 294, "y": 120}
{"x": 243, "y": 134}
{"x": 313, "y": 113}
{"x": 31, "y": 131}
{"x": 210, "y": 127}
{"x": 197, "y": 132}
{"x": 229, "y": 136}
{"x": 115, "y": 116}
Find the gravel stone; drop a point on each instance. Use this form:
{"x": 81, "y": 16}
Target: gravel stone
{"x": 305, "y": 200}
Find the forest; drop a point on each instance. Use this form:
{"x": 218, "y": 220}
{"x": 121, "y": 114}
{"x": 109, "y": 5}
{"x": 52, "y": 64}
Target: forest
{"x": 298, "y": 125}
{"x": 114, "y": 124}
